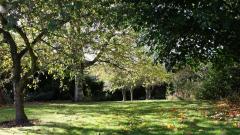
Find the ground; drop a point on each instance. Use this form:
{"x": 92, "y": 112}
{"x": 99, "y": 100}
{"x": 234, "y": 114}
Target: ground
{"x": 123, "y": 118}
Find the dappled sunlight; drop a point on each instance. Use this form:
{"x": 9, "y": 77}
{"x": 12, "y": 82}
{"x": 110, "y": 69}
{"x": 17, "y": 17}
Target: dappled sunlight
{"x": 137, "y": 118}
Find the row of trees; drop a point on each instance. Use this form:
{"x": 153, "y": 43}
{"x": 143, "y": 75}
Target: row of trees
{"x": 133, "y": 69}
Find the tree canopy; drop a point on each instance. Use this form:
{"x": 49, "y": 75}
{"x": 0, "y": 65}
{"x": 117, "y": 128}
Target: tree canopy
{"x": 183, "y": 31}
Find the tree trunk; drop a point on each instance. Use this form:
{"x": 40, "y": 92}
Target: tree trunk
{"x": 18, "y": 87}
{"x": 124, "y": 94}
{"x": 131, "y": 93}
{"x": 148, "y": 93}
{"x": 18, "y": 80}
{"x": 79, "y": 95}
{"x": 20, "y": 117}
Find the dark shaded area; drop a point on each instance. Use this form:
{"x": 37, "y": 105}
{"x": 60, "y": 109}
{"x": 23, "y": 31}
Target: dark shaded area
{"x": 6, "y": 93}
{"x": 222, "y": 83}
{"x": 73, "y": 130}
{"x": 158, "y": 92}
{"x": 12, "y": 123}
{"x": 49, "y": 89}
{"x": 2, "y": 101}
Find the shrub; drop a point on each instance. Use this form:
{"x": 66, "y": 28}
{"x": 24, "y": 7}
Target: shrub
{"x": 221, "y": 84}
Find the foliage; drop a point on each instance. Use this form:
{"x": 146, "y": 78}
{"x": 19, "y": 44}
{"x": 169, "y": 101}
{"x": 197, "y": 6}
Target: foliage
{"x": 186, "y": 82}
{"x": 26, "y": 25}
{"x": 222, "y": 83}
{"x": 183, "y": 31}
{"x": 138, "y": 70}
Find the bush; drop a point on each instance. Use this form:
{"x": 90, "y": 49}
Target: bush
{"x": 185, "y": 84}
{"x": 221, "y": 84}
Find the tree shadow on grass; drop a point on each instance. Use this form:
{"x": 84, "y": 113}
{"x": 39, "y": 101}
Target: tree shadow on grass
{"x": 67, "y": 129}
{"x": 197, "y": 127}
{"x": 192, "y": 128}
{"x": 119, "y": 108}
{"x": 131, "y": 116}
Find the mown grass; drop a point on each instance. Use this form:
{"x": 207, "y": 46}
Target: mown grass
{"x": 121, "y": 118}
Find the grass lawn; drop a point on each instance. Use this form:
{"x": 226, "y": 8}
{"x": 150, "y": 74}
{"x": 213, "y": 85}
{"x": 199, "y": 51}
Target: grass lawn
{"x": 122, "y": 118}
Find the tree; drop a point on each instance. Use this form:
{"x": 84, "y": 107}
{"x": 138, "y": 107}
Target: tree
{"x": 219, "y": 84}
{"x": 152, "y": 74}
{"x": 116, "y": 66}
{"x": 134, "y": 69}
{"x": 23, "y": 26}
{"x": 182, "y": 31}
{"x": 81, "y": 46}
{"x": 186, "y": 82}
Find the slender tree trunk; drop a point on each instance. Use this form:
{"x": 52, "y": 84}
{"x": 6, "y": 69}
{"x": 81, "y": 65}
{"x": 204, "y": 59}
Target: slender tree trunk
{"x": 148, "y": 93}
{"x": 79, "y": 95}
{"x": 79, "y": 85}
{"x": 131, "y": 92}
{"x": 124, "y": 94}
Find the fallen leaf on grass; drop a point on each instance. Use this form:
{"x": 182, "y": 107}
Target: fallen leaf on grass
{"x": 170, "y": 126}
{"x": 189, "y": 133}
{"x": 237, "y": 124}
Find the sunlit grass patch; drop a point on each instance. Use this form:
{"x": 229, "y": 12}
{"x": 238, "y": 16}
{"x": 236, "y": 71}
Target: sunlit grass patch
{"x": 117, "y": 118}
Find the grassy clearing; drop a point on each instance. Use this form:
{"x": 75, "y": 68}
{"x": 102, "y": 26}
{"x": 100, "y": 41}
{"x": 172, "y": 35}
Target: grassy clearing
{"x": 118, "y": 118}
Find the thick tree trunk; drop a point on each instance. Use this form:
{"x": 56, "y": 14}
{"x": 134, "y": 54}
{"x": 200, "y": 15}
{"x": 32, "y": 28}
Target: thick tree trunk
{"x": 18, "y": 87}
{"x": 20, "y": 116}
{"x": 131, "y": 93}
{"x": 148, "y": 93}
{"x": 18, "y": 80}
{"x": 124, "y": 95}
{"x": 79, "y": 95}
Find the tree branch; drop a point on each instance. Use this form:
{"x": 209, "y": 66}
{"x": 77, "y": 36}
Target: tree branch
{"x": 10, "y": 41}
{"x": 39, "y": 37}
{"x": 113, "y": 64}
{"x": 34, "y": 42}
{"x": 41, "y": 34}
{"x": 90, "y": 63}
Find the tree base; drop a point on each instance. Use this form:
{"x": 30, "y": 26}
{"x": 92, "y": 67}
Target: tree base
{"x": 22, "y": 122}
{"x": 79, "y": 100}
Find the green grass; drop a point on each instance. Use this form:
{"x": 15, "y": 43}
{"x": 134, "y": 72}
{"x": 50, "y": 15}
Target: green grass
{"x": 121, "y": 118}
